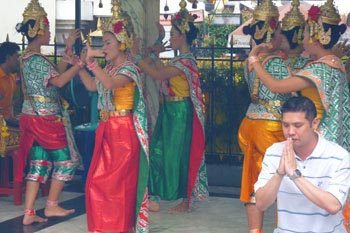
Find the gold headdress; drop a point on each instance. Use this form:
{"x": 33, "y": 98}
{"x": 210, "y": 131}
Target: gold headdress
{"x": 268, "y": 13}
{"x": 327, "y": 13}
{"x": 182, "y": 18}
{"x": 34, "y": 11}
{"x": 120, "y": 25}
{"x": 294, "y": 18}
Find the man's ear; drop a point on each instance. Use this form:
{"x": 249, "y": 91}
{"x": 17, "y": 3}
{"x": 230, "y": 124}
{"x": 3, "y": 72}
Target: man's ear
{"x": 315, "y": 123}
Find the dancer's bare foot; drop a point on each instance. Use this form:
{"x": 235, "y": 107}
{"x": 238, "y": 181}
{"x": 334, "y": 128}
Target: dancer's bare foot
{"x": 182, "y": 207}
{"x": 153, "y": 206}
{"x": 30, "y": 217}
{"x": 57, "y": 211}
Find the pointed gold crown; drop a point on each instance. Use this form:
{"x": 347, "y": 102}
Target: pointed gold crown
{"x": 98, "y": 31}
{"x": 329, "y": 14}
{"x": 294, "y": 18}
{"x": 265, "y": 11}
{"x": 119, "y": 24}
{"x": 182, "y": 18}
{"x": 268, "y": 13}
{"x": 34, "y": 11}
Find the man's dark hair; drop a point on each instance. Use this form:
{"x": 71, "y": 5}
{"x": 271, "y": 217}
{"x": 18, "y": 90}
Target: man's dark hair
{"x": 7, "y": 49}
{"x": 300, "y": 104}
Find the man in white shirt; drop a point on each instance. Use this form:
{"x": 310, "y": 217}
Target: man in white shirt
{"x": 308, "y": 175}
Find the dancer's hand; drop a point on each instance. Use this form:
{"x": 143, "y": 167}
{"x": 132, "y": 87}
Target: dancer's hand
{"x": 260, "y": 48}
{"x": 157, "y": 48}
{"x": 136, "y": 46}
{"x": 69, "y": 42}
{"x": 68, "y": 58}
{"x": 341, "y": 49}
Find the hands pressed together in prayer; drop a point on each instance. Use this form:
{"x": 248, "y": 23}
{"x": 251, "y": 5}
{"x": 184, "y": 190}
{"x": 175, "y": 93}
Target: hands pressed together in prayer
{"x": 288, "y": 162}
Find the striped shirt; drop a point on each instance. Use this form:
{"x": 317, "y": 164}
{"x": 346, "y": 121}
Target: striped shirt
{"x": 328, "y": 168}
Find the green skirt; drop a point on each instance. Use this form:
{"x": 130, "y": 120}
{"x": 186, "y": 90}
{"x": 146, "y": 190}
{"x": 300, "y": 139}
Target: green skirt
{"x": 170, "y": 150}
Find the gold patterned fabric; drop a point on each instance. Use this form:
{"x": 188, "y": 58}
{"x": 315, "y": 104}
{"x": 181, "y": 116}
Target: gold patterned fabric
{"x": 123, "y": 97}
{"x": 179, "y": 86}
{"x": 253, "y": 146}
{"x": 312, "y": 93}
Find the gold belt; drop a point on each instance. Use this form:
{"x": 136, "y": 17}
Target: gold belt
{"x": 175, "y": 98}
{"x": 104, "y": 115}
{"x": 40, "y": 99}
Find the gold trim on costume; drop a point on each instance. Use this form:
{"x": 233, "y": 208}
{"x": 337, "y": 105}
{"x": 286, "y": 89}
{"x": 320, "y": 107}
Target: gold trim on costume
{"x": 40, "y": 99}
{"x": 104, "y": 115}
{"x": 175, "y": 98}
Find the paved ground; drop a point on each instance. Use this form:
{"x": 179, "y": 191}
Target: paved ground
{"x": 222, "y": 213}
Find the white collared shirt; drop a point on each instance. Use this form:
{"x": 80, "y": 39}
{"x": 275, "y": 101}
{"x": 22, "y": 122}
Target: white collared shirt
{"x": 328, "y": 168}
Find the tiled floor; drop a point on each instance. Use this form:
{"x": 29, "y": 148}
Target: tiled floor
{"x": 217, "y": 215}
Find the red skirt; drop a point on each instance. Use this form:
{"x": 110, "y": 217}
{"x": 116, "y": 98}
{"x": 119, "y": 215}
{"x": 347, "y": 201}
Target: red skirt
{"x": 48, "y": 131}
{"x": 111, "y": 184}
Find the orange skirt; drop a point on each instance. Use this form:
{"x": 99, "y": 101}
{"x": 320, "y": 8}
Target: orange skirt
{"x": 346, "y": 214}
{"x": 111, "y": 184}
{"x": 254, "y": 137}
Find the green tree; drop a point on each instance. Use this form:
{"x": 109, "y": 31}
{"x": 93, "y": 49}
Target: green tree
{"x": 216, "y": 35}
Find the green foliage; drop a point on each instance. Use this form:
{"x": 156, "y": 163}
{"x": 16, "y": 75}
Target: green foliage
{"x": 215, "y": 35}
{"x": 226, "y": 99}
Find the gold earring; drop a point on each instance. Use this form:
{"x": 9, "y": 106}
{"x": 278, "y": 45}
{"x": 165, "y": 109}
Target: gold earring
{"x": 122, "y": 47}
{"x": 325, "y": 37}
{"x": 259, "y": 33}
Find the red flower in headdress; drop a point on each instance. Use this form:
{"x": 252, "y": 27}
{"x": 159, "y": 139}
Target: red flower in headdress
{"x": 178, "y": 16}
{"x": 314, "y": 13}
{"x": 273, "y": 23}
{"x": 46, "y": 21}
{"x": 118, "y": 27}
